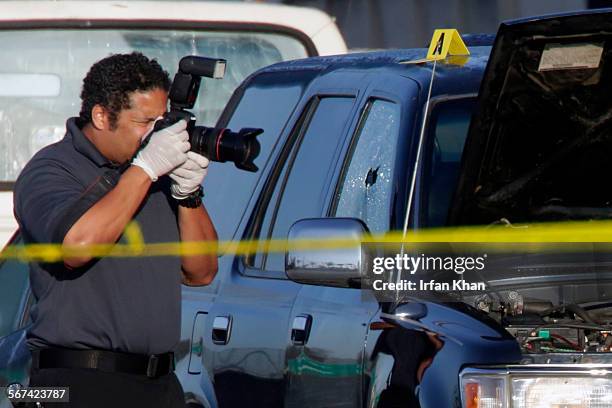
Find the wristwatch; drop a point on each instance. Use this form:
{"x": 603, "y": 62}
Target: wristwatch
{"x": 193, "y": 200}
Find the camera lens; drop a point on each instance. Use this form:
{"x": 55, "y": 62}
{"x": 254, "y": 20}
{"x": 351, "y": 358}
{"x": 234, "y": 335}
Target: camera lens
{"x": 223, "y": 145}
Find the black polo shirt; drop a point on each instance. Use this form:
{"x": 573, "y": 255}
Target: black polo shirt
{"x": 120, "y": 304}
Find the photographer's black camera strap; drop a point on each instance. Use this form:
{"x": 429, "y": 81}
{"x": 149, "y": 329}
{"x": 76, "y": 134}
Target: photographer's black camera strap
{"x": 92, "y": 194}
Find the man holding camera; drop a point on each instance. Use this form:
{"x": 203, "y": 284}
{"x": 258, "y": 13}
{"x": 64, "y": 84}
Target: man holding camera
{"x": 106, "y": 327}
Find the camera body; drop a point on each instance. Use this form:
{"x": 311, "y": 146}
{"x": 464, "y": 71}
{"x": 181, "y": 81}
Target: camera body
{"x": 217, "y": 144}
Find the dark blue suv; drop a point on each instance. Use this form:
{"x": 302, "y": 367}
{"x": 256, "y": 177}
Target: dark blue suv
{"x": 356, "y": 144}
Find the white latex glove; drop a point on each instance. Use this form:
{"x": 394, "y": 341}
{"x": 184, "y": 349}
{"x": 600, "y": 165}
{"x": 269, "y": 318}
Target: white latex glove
{"x": 188, "y": 177}
{"x": 167, "y": 149}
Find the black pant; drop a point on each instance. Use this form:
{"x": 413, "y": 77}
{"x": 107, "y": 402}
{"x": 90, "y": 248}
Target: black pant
{"x": 93, "y": 388}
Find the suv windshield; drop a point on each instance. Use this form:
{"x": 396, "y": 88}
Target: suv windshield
{"x": 42, "y": 71}
{"x": 448, "y": 127}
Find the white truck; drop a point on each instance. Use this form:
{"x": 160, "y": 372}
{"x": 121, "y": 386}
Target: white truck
{"x": 48, "y": 46}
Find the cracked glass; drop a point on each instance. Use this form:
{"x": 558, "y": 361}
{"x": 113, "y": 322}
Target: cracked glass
{"x": 366, "y": 188}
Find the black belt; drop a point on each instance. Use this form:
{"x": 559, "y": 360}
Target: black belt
{"x": 152, "y": 366}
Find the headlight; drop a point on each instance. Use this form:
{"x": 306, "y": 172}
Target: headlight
{"x": 536, "y": 389}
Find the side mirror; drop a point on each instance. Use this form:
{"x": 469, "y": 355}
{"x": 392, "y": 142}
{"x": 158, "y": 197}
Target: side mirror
{"x": 327, "y": 267}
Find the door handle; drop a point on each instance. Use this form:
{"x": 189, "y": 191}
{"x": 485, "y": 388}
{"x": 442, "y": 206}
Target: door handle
{"x": 300, "y": 331}
{"x": 222, "y": 329}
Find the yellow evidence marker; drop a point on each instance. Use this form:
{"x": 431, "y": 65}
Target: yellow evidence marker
{"x": 446, "y": 42}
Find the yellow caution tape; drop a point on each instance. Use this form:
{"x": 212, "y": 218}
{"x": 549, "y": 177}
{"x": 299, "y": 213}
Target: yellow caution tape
{"x": 533, "y": 237}
{"x": 134, "y": 237}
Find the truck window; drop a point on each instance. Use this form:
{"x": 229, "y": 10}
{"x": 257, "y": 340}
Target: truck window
{"x": 447, "y": 130}
{"x": 302, "y": 187}
{"x": 14, "y": 282}
{"x": 266, "y": 103}
{"x": 365, "y": 188}
{"x": 43, "y": 69}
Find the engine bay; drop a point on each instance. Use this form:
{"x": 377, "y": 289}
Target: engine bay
{"x": 541, "y": 327}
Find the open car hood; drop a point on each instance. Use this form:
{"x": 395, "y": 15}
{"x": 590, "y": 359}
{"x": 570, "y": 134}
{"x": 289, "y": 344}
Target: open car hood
{"x": 539, "y": 146}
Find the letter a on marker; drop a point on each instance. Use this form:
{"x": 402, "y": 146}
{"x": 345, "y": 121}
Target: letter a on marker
{"x": 446, "y": 42}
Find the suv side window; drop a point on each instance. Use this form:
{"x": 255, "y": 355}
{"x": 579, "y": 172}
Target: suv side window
{"x": 301, "y": 188}
{"x": 14, "y": 281}
{"x": 266, "y": 103}
{"x": 366, "y": 187}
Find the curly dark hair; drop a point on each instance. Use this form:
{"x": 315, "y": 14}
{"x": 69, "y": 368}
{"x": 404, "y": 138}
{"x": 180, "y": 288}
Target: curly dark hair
{"x": 111, "y": 80}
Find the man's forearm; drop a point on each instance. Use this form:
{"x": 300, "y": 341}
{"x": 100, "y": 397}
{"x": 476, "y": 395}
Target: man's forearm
{"x": 196, "y": 225}
{"x": 106, "y": 220}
